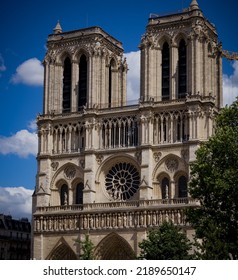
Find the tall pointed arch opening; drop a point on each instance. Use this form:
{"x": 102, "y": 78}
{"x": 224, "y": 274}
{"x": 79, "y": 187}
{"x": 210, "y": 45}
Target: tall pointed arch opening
{"x": 165, "y": 72}
{"x": 83, "y": 82}
{"x": 182, "y": 69}
{"x": 111, "y": 89}
{"x": 67, "y": 79}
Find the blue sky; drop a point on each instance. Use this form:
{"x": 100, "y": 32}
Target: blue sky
{"x": 24, "y": 27}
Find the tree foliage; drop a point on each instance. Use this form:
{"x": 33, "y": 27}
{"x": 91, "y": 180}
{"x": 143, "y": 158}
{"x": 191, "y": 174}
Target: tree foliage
{"x": 214, "y": 182}
{"x": 165, "y": 243}
{"x": 86, "y": 247}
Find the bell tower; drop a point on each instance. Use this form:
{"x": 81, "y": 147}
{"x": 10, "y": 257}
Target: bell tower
{"x": 180, "y": 58}
{"x": 83, "y": 69}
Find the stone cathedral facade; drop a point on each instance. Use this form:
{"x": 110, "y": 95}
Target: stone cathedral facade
{"x": 113, "y": 170}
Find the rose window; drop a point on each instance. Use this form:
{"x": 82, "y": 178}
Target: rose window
{"x": 122, "y": 181}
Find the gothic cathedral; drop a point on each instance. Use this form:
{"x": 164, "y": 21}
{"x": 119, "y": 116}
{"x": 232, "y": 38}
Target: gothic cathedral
{"x": 113, "y": 170}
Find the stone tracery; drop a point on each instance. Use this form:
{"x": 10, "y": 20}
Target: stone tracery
{"x": 122, "y": 181}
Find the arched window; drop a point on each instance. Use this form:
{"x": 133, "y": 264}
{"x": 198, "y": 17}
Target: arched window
{"x": 64, "y": 199}
{"x": 67, "y": 86}
{"x": 165, "y": 188}
{"x": 165, "y": 72}
{"x": 79, "y": 194}
{"x": 182, "y": 187}
{"x": 182, "y": 70}
{"x": 110, "y": 83}
{"x": 83, "y": 77}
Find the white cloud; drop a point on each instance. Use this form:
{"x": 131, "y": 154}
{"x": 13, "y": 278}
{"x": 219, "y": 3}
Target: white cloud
{"x": 16, "y": 201}
{"x": 133, "y": 76}
{"x": 230, "y": 85}
{"x": 30, "y": 72}
{"x": 32, "y": 125}
{"x": 23, "y": 144}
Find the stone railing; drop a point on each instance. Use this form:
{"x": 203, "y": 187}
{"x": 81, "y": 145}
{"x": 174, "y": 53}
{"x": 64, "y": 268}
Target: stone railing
{"x": 117, "y": 215}
{"x": 160, "y": 203}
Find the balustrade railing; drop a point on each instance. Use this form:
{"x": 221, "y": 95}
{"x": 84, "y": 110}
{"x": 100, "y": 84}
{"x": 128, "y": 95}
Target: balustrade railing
{"x": 118, "y": 204}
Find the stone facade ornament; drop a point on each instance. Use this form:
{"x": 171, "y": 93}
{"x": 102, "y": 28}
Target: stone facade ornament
{"x": 99, "y": 159}
{"x": 54, "y": 165}
{"x": 138, "y": 156}
{"x": 122, "y": 181}
{"x": 171, "y": 164}
{"x": 82, "y": 163}
{"x": 185, "y": 155}
{"x": 69, "y": 172}
{"x": 157, "y": 156}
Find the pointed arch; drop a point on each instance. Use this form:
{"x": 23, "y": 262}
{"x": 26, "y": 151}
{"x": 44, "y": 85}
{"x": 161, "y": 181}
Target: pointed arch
{"x": 62, "y": 56}
{"x": 83, "y": 81}
{"x": 165, "y": 187}
{"x": 165, "y": 72}
{"x": 62, "y": 251}
{"x": 111, "y": 82}
{"x": 182, "y": 186}
{"x": 114, "y": 247}
{"x": 59, "y": 174}
{"x": 182, "y": 69}
{"x": 64, "y": 195}
{"x": 164, "y": 38}
{"x": 67, "y": 79}
{"x": 79, "y": 193}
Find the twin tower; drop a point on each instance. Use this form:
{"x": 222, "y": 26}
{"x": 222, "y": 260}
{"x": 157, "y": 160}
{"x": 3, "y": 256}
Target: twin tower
{"x": 113, "y": 170}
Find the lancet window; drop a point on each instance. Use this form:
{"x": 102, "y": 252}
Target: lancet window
{"x": 182, "y": 70}
{"x": 182, "y": 187}
{"x": 165, "y": 72}
{"x": 171, "y": 127}
{"x": 165, "y": 188}
{"x": 82, "y": 87}
{"x": 119, "y": 132}
{"x": 64, "y": 195}
{"x": 68, "y": 138}
{"x": 67, "y": 77}
{"x": 79, "y": 193}
{"x": 111, "y": 84}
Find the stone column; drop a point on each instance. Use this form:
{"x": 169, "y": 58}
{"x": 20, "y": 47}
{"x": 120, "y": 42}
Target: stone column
{"x": 74, "y": 86}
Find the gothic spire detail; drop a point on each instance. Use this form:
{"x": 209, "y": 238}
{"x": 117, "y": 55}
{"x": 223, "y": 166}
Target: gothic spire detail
{"x": 57, "y": 28}
{"x": 194, "y": 5}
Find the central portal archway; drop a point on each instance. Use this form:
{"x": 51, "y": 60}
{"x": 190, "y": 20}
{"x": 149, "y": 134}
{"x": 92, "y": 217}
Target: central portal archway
{"x": 114, "y": 247}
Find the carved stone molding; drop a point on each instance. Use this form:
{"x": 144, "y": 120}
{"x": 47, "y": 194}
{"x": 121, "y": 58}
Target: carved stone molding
{"x": 69, "y": 172}
{"x": 171, "y": 164}
{"x": 157, "y": 156}
{"x": 138, "y": 156}
{"x": 99, "y": 159}
{"x": 82, "y": 163}
{"x": 185, "y": 155}
{"x": 54, "y": 165}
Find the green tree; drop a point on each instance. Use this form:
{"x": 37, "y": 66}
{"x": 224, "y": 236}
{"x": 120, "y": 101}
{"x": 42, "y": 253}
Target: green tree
{"x": 165, "y": 243}
{"x": 86, "y": 247}
{"x": 214, "y": 182}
